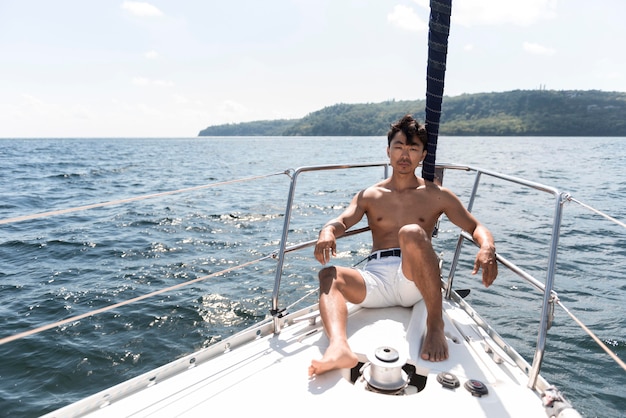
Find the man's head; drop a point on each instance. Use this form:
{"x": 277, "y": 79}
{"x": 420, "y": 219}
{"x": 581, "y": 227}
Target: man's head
{"x": 411, "y": 129}
{"x": 406, "y": 145}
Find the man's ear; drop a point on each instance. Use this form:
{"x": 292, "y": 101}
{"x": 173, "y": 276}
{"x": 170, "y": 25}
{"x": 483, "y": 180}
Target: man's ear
{"x": 388, "y": 155}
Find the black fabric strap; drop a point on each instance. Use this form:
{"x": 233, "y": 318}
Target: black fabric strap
{"x": 386, "y": 253}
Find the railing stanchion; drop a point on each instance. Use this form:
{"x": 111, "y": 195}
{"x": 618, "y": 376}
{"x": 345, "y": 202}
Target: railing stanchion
{"x": 547, "y": 293}
{"x": 276, "y": 312}
{"x": 459, "y": 244}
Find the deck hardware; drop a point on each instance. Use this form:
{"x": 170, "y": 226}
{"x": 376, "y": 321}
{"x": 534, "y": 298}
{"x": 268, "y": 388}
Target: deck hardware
{"x": 448, "y": 380}
{"x": 311, "y": 317}
{"x": 308, "y": 334}
{"x": 278, "y": 313}
{"x": 106, "y": 401}
{"x": 556, "y": 405}
{"x": 476, "y": 388}
{"x": 383, "y": 373}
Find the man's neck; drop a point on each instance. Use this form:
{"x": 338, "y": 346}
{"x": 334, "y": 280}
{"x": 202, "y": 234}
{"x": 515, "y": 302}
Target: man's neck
{"x": 404, "y": 181}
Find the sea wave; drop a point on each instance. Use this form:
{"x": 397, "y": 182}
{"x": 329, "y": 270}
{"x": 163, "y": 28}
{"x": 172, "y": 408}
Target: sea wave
{"x": 60, "y": 266}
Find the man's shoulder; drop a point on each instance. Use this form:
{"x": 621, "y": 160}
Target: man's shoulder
{"x": 436, "y": 187}
{"x": 372, "y": 193}
{"x": 377, "y": 187}
{"x": 433, "y": 188}
{"x": 446, "y": 197}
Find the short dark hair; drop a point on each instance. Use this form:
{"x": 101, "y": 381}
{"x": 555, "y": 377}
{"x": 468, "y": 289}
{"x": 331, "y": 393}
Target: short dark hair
{"x": 411, "y": 128}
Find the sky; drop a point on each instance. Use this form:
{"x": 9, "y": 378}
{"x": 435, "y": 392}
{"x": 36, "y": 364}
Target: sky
{"x": 170, "y": 68}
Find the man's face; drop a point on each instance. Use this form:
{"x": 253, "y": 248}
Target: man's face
{"x": 405, "y": 158}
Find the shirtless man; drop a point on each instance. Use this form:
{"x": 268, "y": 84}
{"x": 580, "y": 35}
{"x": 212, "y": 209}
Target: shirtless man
{"x": 401, "y": 212}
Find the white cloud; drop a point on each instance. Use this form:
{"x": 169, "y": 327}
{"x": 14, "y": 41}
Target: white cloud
{"x": 232, "y": 106}
{"x": 479, "y": 13}
{"x": 80, "y": 112}
{"x": 143, "y": 81}
{"x": 163, "y": 83}
{"x": 141, "y": 9}
{"x": 148, "y": 110}
{"x": 405, "y": 18}
{"x": 180, "y": 99}
{"x": 231, "y": 111}
{"x": 537, "y": 49}
{"x": 151, "y": 55}
{"x": 50, "y": 116}
{"x": 502, "y": 12}
{"x": 129, "y": 108}
{"x": 423, "y": 3}
{"x": 32, "y": 100}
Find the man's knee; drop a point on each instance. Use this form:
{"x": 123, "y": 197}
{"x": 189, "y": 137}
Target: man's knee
{"x": 327, "y": 277}
{"x": 414, "y": 235}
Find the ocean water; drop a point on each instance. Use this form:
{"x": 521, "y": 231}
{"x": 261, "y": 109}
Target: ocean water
{"x": 67, "y": 264}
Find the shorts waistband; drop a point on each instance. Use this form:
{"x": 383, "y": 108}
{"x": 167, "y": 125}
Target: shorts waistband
{"x": 384, "y": 253}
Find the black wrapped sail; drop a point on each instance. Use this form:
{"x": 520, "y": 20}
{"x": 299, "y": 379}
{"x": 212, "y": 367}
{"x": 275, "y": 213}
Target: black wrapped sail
{"x": 438, "y": 30}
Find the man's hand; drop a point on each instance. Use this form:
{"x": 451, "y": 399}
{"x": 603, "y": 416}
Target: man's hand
{"x": 326, "y": 246}
{"x": 486, "y": 259}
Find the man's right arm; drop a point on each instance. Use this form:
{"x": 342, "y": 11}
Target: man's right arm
{"x": 333, "y": 229}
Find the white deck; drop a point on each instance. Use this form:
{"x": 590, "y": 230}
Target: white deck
{"x": 255, "y": 379}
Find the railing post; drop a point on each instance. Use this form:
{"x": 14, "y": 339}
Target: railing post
{"x": 459, "y": 244}
{"x": 547, "y": 295}
{"x": 274, "y": 310}
{"x": 276, "y": 314}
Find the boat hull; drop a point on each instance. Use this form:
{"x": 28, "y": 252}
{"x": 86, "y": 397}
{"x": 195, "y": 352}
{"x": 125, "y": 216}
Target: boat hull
{"x": 249, "y": 371}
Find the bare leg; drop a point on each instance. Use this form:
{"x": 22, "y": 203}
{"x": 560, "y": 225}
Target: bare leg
{"x": 420, "y": 264}
{"x": 334, "y": 313}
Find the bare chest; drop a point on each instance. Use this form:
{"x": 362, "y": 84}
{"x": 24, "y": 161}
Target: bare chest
{"x": 394, "y": 210}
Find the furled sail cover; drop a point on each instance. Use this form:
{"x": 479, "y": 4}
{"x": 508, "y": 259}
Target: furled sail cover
{"x": 438, "y": 30}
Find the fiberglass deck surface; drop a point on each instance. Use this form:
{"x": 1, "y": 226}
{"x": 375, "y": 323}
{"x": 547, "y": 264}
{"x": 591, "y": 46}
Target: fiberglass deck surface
{"x": 270, "y": 373}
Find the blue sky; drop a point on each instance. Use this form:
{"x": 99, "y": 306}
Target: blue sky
{"x": 165, "y": 68}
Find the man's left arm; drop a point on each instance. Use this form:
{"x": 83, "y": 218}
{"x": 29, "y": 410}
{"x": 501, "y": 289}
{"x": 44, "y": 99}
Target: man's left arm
{"x": 486, "y": 256}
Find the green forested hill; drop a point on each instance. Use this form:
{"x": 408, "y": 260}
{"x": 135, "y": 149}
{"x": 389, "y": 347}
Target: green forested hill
{"x": 519, "y": 112}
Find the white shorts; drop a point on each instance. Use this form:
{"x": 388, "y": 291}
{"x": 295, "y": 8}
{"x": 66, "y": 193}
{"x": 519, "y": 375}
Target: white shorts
{"x": 386, "y": 285}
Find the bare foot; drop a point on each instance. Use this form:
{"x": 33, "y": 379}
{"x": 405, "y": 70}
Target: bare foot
{"x": 338, "y": 356}
{"x": 435, "y": 347}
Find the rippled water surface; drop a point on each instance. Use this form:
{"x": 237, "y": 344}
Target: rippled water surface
{"x": 68, "y": 264}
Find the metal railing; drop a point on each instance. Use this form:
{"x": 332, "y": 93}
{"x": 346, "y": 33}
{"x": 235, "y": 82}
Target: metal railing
{"x": 550, "y": 298}
{"x": 275, "y": 310}
{"x": 545, "y": 287}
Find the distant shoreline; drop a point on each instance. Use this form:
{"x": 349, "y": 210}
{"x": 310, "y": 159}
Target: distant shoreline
{"x": 590, "y": 113}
